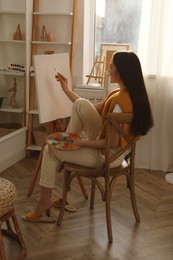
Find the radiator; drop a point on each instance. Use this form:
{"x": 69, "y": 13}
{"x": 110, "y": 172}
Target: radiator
{"x": 94, "y": 94}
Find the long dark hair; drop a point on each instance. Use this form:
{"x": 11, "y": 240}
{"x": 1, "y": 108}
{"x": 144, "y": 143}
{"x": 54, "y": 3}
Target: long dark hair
{"x": 129, "y": 69}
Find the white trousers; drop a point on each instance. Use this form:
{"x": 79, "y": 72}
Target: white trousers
{"x": 84, "y": 118}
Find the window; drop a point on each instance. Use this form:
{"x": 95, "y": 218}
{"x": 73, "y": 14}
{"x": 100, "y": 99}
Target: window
{"x": 117, "y": 21}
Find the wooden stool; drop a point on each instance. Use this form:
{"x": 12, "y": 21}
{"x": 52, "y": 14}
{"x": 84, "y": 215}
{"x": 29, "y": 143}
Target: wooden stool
{"x": 7, "y": 199}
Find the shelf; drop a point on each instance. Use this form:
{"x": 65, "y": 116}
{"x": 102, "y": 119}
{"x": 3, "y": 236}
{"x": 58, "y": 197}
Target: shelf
{"x": 12, "y": 73}
{"x": 33, "y": 112}
{"x": 12, "y": 12}
{"x": 11, "y": 109}
{"x": 51, "y": 43}
{"x": 56, "y": 13}
{"x": 33, "y": 147}
{"x": 12, "y": 41}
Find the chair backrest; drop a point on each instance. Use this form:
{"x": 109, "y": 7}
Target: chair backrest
{"x": 117, "y": 120}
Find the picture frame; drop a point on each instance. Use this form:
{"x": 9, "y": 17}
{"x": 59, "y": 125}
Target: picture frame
{"x": 107, "y": 50}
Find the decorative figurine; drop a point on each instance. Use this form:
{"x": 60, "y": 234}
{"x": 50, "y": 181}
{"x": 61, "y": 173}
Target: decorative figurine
{"x": 13, "y": 102}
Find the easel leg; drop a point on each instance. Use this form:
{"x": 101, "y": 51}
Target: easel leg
{"x": 36, "y": 171}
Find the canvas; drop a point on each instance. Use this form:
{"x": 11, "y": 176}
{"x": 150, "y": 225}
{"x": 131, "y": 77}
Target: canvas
{"x": 52, "y": 101}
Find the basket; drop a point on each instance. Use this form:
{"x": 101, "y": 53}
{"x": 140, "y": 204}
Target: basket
{"x": 7, "y": 196}
{"x": 40, "y": 134}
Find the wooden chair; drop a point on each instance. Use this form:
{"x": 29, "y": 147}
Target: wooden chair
{"x": 108, "y": 174}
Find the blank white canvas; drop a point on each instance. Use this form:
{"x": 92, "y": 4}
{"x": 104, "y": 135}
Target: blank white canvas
{"x": 52, "y": 101}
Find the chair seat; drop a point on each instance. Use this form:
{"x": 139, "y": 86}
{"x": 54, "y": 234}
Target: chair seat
{"x": 7, "y": 196}
{"x": 96, "y": 172}
{"x": 84, "y": 171}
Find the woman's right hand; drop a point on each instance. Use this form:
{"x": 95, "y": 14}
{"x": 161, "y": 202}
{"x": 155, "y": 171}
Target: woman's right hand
{"x": 63, "y": 81}
{"x": 64, "y": 85}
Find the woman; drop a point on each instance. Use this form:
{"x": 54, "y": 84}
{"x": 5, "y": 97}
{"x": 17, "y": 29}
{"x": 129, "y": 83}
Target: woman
{"x": 131, "y": 96}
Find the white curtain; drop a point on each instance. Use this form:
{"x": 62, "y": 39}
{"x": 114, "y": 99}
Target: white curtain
{"x": 155, "y": 50}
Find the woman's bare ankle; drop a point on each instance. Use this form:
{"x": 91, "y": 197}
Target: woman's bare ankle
{"x": 42, "y": 207}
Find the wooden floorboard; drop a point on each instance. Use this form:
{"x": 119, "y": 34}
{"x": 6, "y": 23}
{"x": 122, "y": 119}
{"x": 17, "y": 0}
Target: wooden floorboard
{"x": 83, "y": 233}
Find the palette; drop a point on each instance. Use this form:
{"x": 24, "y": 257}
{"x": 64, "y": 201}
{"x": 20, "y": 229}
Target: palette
{"x": 62, "y": 141}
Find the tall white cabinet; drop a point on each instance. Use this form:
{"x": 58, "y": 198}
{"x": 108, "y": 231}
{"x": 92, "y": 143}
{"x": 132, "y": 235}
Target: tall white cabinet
{"x": 14, "y": 79}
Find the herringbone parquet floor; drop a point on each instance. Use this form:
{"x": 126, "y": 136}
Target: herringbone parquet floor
{"x": 83, "y": 233}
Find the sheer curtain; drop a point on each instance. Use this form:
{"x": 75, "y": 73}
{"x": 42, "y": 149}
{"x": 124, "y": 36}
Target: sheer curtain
{"x": 155, "y": 50}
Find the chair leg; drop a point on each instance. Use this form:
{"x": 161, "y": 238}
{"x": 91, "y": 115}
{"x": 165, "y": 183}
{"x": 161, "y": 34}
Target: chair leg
{"x": 133, "y": 201}
{"x": 9, "y": 231}
{"x": 2, "y": 250}
{"x": 82, "y": 186}
{"x": 92, "y": 195}
{"x": 16, "y": 234}
{"x": 128, "y": 183}
{"x": 20, "y": 238}
{"x": 9, "y": 226}
{"x": 64, "y": 198}
{"x": 108, "y": 212}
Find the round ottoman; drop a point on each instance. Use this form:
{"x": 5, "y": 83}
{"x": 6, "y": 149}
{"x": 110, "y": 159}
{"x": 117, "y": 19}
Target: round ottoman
{"x": 7, "y": 199}
{"x": 7, "y": 196}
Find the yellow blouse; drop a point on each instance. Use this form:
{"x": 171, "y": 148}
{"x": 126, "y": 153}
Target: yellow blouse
{"x": 122, "y": 98}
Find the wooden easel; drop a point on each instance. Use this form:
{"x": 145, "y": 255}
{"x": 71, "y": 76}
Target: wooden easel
{"x": 17, "y": 35}
{"x": 52, "y": 128}
{"x": 97, "y": 71}
{"x": 44, "y": 35}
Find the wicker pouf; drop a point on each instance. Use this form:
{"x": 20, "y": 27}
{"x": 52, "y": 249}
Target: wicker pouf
{"x": 7, "y": 196}
{"x": 8, "y": 217}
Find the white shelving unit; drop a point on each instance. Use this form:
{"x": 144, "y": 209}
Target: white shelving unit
{"x": 13, "y": 51}
{"x": 58, "y": 17}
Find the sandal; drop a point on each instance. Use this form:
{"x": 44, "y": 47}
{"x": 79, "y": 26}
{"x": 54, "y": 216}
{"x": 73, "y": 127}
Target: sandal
{"x": 32, "y": 217}
{"x": 57, "y": 204}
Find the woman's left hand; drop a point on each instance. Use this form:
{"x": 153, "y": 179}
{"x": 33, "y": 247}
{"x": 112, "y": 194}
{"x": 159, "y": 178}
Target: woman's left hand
{"x": 97, "y": 144}
{"x": 78, "y": 142}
